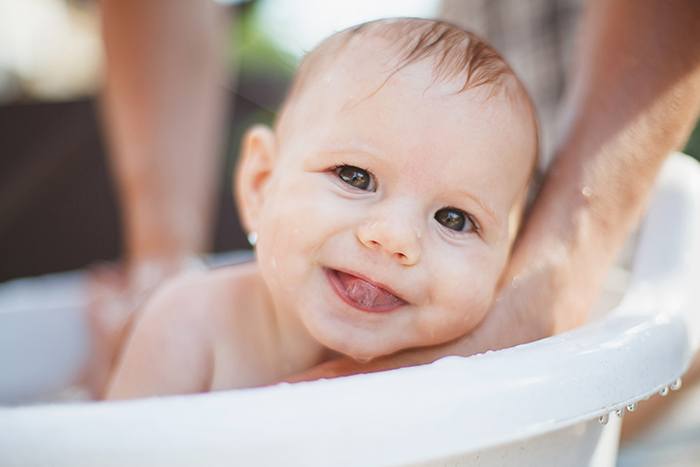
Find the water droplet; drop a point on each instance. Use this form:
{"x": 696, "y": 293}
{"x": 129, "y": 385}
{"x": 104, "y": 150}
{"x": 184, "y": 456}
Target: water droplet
{"x": 676, "y": 385}
{"x": 603, "y": 419}
{"x": 586, "y": 191}
{"x": 620, "y": 412}
{"x": 632, "y": 407}
{"x": 663, "y": 391}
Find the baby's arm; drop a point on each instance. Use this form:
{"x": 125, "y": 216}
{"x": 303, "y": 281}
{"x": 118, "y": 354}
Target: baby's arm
{"x": 169, "y": 350}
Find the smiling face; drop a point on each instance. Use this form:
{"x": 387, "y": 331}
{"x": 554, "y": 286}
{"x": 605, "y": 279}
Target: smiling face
{"x": 384, "y": 209}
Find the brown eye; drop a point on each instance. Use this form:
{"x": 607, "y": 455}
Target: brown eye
{"x": 455, "y": 219}
{"x": 355, "y": 177}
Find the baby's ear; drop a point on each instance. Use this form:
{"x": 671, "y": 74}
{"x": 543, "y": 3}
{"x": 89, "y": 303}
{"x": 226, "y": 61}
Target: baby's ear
{"x": 256, "y": 161}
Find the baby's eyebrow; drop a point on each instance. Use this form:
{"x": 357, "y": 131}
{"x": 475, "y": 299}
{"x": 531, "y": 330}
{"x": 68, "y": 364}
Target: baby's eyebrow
{"x": 485, "y": 207}
{"x": 368, "y": 155}
{"x": 361, "y": 149}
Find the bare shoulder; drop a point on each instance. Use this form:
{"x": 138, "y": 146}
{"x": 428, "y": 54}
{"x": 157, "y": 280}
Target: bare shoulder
{"x": 204, "y": 306}
{"x": 194, "y": 299}
{"x": 172, "y": 346}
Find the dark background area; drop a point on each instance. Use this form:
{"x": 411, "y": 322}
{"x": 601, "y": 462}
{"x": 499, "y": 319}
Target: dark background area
{"x": 58, "y": 209}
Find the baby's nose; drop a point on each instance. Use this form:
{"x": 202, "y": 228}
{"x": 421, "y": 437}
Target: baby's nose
{"x": 399, "y": 240}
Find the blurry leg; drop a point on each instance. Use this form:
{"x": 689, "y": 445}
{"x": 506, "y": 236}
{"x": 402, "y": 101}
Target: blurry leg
{"x": 164, "y": 102}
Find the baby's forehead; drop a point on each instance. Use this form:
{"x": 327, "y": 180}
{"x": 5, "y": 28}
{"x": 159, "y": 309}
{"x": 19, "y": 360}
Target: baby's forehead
{"x": 378, "y": 51}
{"x": 388, "y": 46}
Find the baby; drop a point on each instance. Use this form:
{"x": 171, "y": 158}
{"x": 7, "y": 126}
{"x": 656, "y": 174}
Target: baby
{"x": 383, "y": 207}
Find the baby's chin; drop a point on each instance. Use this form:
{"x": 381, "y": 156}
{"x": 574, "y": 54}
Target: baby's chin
{"x": 366, "y": 341}
{"x": 361, "y": 349}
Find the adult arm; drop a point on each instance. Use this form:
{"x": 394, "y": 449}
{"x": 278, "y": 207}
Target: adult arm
{"x": 635, "y": 97}
{"x": 163, "y": 105}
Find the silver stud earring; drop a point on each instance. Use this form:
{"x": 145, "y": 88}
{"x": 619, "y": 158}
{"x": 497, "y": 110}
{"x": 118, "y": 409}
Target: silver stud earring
{"x": 253, "y": 238}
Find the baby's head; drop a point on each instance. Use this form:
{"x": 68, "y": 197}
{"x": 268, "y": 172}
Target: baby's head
{"x": 387, "y": 198}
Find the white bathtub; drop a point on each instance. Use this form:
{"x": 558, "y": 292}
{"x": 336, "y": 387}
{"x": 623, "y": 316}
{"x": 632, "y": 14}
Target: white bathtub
{"x": 533, "y": 405}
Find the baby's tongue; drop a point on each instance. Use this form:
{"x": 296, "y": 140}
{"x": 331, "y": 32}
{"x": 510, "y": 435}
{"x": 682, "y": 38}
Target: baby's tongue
{"x": 365, "y": 294}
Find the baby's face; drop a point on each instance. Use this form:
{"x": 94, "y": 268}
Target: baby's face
{"x": 384, "y": 223}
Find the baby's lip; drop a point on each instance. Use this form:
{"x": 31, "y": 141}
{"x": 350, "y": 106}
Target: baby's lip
{"x": 362, "y": 292}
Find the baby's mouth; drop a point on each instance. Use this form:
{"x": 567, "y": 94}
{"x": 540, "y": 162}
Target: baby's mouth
{"x": 362, "y": 293}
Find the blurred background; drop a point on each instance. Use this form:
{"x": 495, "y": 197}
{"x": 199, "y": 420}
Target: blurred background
{"x": 58, "y": 209}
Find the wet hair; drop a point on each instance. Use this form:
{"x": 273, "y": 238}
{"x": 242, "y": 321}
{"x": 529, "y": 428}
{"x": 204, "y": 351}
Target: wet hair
{"x": 456, "y": 54}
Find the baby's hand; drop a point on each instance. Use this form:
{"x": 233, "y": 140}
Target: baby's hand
{"x": 346, "y": 366}
{"x": 342, "y": 366}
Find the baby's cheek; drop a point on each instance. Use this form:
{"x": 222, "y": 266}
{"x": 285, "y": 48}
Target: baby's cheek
{"x": 289, "y": 211}
{"x": 469, "y": 292}
{"x": 293, "y": 231}
{"x": 314, "y": 213}
{"x": 473, "y": 301}
{"x": 276, "y": 239}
